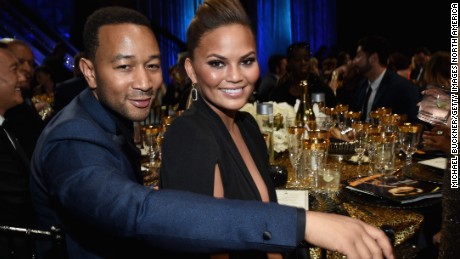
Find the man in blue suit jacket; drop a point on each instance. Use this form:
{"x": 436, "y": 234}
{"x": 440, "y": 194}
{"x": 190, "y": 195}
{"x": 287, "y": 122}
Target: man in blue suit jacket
{"x": 86, "y": 171}
{"x": 388, "y": 88}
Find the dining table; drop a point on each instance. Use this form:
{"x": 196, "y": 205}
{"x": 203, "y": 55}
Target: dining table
{"x": 409, "y": 226}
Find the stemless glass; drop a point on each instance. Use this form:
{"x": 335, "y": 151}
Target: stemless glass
{"x": 295, "y": 147}
{"x": 409, "y": 138}
{"x": 384, "y": 160}
{"x": 435, "y": 105}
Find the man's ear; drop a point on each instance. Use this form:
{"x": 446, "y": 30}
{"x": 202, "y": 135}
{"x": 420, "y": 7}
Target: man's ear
{"x": 87, "y": 68}
{"x": 374, "y": 58}
{"x": 189, "y": 69}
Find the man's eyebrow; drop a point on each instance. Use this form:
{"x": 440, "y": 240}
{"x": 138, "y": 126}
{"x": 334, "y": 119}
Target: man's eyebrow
{"x": 157, "y": 56}
{"x": 121, "y": 57}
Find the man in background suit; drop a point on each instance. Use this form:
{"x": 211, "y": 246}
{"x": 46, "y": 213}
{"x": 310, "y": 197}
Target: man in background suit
{"x": 86, "y": 171}
{"x": 15, "y": 201}
{"x": 23, "y": 120}
{"x": 67, "y": 90}
{"x": 382, "y": 87}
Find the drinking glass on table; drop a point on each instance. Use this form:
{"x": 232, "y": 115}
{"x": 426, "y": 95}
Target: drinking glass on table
{"x": 359, "y": 137}
{"x": 315, "y": 149}
{"x": 339, "y": 113}
{"x": 409, "y": 139}
{"x": 328, "y": 178}
{"x": 373, "y": 132}
{"x": 295, "y": 147}
{"x": 384, "y": 159}
{"x": 435, "y": 105}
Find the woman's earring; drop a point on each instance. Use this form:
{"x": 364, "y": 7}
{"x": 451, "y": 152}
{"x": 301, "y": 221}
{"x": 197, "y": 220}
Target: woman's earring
{"x": 194, "y": 92}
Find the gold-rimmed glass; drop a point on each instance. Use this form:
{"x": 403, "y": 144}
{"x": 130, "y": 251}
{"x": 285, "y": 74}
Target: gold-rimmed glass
{"x": 314, "y": 156}
{"x": 384, "y": 110}
{"x": 374, "y": 117}
{"x": 409, "y": 139}
{"x": 295, "y": 148}
{"x": 359, "y": 133}
{"x": 384, "y": 159}
{"x": 340, "y": 110}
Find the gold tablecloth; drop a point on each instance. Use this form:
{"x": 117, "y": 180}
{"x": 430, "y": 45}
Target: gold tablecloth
{"x": 404, "y": 222}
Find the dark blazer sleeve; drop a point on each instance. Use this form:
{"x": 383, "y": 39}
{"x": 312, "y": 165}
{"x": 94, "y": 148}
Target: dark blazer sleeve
{"x": 189, "y": 152}
{"x": 95, "y": 190}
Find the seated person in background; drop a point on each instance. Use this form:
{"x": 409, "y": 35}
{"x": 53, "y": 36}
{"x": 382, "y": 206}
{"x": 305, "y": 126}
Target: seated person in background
{"x": 400, "y": 64}
{"x": 45, "y": 80}
{"x": 67, "y": 90}
{"x": 24, "y": 120}
{"x": 86, "y": 173}
{"x": 437, "y": 72}
{"x": 15, "y": 202}
{"x": 56, "y": 63}
{"x": 381, "y": 86}
{"x": 298, "y": 69}
{"x": 276, "y": 69}
{"x": 178, "y": 91}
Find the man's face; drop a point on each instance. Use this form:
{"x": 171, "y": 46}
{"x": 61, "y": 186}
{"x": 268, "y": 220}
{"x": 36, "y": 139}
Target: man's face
{"x": 361, "y": 61}
{"x": 126, "y": 71}
{"x": 10, "y": 78}
{"x": 26, "y": 61}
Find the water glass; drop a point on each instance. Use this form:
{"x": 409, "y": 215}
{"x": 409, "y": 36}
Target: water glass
{"x": 328, "y": 178}
{"x": 385, "y": 155}
{"x": 435, "y": 105}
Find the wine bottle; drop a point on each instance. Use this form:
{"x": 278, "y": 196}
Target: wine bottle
{"x": 304, "y": 112}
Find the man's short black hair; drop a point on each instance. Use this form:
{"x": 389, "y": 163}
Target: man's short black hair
{"x": 108, "y": 16}
{"x": 376, "y": 44}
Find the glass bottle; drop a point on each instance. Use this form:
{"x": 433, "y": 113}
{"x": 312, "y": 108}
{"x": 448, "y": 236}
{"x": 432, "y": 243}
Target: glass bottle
{"x": 304, "y": 112}
{"x": 264, "y": 118}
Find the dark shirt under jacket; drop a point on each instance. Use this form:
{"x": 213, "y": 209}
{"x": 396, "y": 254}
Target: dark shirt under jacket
{"x": 395, "y": 92}
{"x": 281, "y": 92}
{"x": 200, "y": 140}
{"x": 66, "y": 91}
{"x": 25, "y": 123}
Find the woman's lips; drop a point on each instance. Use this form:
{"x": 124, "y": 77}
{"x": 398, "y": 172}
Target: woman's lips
{"x": 233, "y": 92}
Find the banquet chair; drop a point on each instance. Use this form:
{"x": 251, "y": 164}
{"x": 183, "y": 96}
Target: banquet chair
{"x": 55, "y": 234}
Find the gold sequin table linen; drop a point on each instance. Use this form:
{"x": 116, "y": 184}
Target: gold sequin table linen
{"x": 404, "y": 222}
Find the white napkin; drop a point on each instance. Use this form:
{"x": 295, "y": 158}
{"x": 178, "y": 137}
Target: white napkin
{"x": 439, "y": 162}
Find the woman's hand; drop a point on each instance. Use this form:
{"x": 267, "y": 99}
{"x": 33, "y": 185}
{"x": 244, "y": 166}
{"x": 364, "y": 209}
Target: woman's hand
{"x": 438, "y": 137}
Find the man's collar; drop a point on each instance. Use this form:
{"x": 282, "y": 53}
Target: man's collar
{"x": 375, "y": 84}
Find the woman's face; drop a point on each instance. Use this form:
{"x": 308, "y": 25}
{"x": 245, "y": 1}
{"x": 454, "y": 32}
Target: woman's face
{"x": 299, "y": 63}
{"x": 225, "y": 67}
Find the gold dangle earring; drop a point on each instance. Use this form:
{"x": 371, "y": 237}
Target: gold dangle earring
{"x": 194, "y": 92}
{"x": 193, "y": 96}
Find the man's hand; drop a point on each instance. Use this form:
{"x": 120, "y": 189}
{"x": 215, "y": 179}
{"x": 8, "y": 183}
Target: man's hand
{"x": 346, "y": 235}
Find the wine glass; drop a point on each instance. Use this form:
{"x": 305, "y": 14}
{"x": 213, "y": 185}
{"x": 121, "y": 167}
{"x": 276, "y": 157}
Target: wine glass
{"x": 359, "y": 136}
{"x": 409, "y": 138}
{"x": 295, "y": 147}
